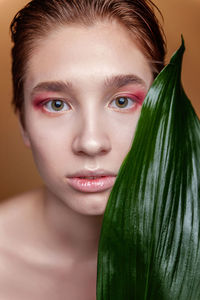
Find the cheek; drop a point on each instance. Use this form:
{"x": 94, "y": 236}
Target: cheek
{"x": 125, "y": 128}
{"x": 122, "y": 138}
{"x": 45, "y": 157}
{"x": 49, "y": 149}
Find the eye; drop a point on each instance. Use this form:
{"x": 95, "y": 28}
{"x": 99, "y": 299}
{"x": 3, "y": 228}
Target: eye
{"x": 56, "y": 105}
{"x": 123, "y": 102}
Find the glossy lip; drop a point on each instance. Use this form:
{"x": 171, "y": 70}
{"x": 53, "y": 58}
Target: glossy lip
{"x": 81, "y": 181}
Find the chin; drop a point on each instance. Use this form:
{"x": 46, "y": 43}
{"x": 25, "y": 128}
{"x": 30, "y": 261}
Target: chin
{"x": 93, "y": 204}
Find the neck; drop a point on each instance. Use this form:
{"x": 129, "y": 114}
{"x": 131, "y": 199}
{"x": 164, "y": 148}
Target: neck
{"x": 76, "y": 233}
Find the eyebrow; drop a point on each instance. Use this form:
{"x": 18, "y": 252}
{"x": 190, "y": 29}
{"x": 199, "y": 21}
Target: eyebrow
{"x": 114, "y": 81}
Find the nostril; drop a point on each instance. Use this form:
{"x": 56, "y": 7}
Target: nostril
{"x": 91, "y": 145}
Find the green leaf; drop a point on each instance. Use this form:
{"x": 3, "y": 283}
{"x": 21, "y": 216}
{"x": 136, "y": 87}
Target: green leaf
{"x": 150, "y": 243}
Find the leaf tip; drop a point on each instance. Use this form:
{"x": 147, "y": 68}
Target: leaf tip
{"x": 178, "y": 55}
{"x": 182, "y": 42}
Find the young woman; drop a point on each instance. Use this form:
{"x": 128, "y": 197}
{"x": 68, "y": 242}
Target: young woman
{"x": 81, "y": 70}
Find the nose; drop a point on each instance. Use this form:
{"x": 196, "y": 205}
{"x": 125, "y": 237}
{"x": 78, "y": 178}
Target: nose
{"x": 91, "y": 138}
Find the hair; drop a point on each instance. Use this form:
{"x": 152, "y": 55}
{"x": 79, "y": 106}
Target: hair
{"x": 39, "y": 17}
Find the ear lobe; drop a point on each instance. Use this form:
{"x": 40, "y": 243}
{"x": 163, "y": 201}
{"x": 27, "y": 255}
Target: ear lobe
{"x": 24, "y": 133}
{"x": 25, "y": 137}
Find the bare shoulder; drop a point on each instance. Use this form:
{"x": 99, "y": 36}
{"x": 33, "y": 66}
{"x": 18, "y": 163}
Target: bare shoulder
{"x": 16, "y": 223}
{"x": 15, "y": 210}
{"x": 17, "y": 216}
{"x": 31, "y": 266}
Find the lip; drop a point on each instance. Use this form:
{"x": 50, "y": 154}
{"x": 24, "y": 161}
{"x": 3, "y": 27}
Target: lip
{"x": 82, "y": 181}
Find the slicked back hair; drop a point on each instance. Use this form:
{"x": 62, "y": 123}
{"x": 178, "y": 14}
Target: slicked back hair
{"x": 34, "y": 22}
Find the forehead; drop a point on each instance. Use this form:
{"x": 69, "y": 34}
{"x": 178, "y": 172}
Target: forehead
{"x": 81, "y": 54}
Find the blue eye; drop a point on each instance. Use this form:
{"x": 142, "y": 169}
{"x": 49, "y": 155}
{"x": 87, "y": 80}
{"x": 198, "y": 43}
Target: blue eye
{"x": 123, "y": 102}
{"x": 56, "y": 105}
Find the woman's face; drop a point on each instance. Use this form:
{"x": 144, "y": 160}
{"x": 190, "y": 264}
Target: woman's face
{"x": 83, "y": 94}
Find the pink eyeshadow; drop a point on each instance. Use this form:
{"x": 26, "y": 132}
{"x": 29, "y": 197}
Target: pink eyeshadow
{"x": 40, "y": 99}
{"x": 134, "y": 92}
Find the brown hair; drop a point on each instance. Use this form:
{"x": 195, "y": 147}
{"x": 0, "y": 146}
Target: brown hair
{"x": 38, "y": 17}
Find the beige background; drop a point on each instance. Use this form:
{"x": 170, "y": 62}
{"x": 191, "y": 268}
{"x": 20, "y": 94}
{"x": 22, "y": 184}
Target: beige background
{"x": 17, "y": 172}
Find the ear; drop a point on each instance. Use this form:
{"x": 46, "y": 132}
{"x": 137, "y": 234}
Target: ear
{"x": 24, "y": 133}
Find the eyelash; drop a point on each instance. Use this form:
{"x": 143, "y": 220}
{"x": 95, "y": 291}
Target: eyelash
{"x": 50, "y": 103}
{"x": 47, "y": 105}
{"x": 132, "y": 105}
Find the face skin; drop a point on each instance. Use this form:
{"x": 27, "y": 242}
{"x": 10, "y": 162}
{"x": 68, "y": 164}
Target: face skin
{"x": 90, "y": 131}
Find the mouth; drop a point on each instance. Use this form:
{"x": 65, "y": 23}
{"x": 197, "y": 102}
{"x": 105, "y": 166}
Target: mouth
{"x": 91, "y": 183}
